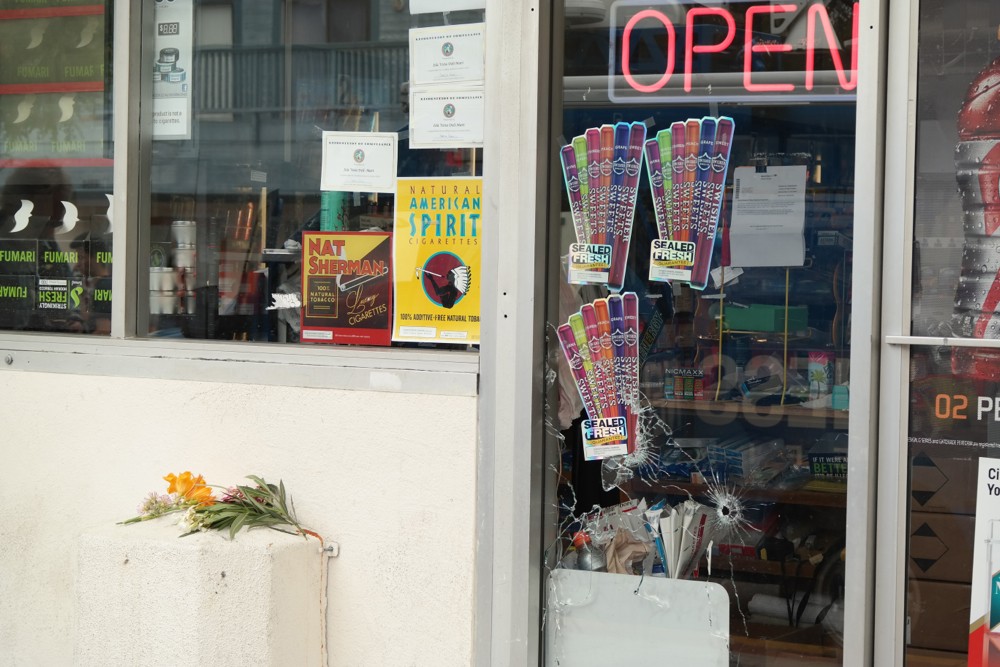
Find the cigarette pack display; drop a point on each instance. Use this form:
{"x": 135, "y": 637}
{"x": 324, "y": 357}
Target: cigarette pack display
{"x": 685, "y": 383}
{"x": 687, "y": 196}
{"x": 741, "y": 459}
{"x": 601, "y": 171}
{"x": 600, "y": 344}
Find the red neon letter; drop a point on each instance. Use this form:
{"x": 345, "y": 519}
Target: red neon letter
{"x": 627, "y": 48}
{"x": 750, "y": 49}
{"x": 689, "y": 47}
{"x": 819, "y": 11}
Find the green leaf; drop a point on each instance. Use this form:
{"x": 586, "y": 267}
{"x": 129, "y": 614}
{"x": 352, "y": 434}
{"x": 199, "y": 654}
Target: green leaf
{"x": 236, "y": 525}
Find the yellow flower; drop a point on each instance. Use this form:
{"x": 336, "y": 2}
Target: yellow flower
{"x": 190, "y": 488}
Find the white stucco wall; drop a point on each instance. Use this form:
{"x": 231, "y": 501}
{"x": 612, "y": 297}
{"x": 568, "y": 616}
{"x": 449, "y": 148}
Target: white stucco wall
{"x": 389, "y": 476}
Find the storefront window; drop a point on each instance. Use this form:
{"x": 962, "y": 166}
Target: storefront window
{"x": 703, "y": 335}
{"x": 316, "y": 173}
{"x": 953, "y": 551}
{"x": 55, "y": 166}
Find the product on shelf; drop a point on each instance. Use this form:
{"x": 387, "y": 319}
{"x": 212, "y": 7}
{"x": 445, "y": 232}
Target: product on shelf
{"x": 601, "y": 347}
{"x": 601, "y": 172}
{"x": 687, "y": 166}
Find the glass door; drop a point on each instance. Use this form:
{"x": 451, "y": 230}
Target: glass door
{"x": 952, "y": 446}
{"x": 702, "y": 350}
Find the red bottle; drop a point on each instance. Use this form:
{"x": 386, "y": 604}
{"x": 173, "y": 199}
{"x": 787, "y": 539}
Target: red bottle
{"x": 977, "y": 161}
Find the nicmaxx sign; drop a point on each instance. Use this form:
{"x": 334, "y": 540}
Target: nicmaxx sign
{"x": 718, "y": 51}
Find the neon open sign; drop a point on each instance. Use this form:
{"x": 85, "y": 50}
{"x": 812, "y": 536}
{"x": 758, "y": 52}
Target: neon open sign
{"x": 734, "y": 50}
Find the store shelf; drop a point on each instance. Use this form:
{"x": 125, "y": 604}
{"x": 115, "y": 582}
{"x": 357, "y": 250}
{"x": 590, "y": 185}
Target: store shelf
{"x": 771, "y": 568}
{"x": 799, "y": 496}
{"x": 724, "y": 565}
{"x": 51, "y": 87}
{"x": 804, "y": 653}
{"x": 794, "y": 414}
{"x": 51, "y": 12}
{"x": 281, "y": 255}
{"x": 56, "y": 162}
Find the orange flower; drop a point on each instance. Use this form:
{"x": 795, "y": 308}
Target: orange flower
{"x": 190, "y": 488}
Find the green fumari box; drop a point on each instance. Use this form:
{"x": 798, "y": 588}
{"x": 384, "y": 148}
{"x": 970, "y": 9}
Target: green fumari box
{"x": 759, "y": 317}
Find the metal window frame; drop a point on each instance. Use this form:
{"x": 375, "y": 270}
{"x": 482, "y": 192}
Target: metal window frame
{"x": 866, "y": 311}
{"x": 897, "y": 341}
{"x": 126, "y": 354}
{"x": 515, "y": 178}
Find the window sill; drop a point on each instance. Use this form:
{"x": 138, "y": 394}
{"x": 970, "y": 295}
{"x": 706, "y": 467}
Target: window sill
{"x": 364, "y": 368}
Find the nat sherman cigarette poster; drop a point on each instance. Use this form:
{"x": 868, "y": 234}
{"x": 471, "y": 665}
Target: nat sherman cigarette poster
{"x": 437, "y": 260}
{"x": 346, "y": 287}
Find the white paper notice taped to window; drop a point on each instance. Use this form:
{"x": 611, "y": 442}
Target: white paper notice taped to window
{"x": 359, "y": 162}
{"x": 446, "y": 118}
{"x": 769, "y": 213}
{"x": 174, "y": 50}
{"x": 447, "y": 54}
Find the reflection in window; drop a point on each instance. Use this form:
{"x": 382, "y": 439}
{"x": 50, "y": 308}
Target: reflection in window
{"x": 55, "y": 167}
{"x": 232, "y": 197}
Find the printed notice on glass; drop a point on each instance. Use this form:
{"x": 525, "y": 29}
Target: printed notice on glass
{"x": 436, "y": 260}
{"x": 359, "y": 162}
{"x": 346, "y": 287}
{"x": 984, "y": 604}
{"x": 173, "y": 47}
{"x": 447, "y": 118}
{"x": 769, "y": 215}
{"x": 447, "y": 54}
{"x": 440, "y": 6}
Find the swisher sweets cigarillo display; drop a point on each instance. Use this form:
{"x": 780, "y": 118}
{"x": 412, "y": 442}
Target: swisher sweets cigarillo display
{"x": 601, "y": 345}
{"x": 601, "y": 171}
{"x": 687, "y": 166}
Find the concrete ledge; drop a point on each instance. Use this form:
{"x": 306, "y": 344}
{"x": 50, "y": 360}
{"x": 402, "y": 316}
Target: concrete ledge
{"x": 146, "y": 597}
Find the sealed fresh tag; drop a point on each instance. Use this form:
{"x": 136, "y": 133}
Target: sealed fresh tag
{"x": 671, "y": 260}
{"x": 589, "y": 263}
{"x": 603, "y": 438}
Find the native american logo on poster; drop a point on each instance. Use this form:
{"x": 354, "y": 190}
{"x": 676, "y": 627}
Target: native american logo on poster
{"x": 346, "y": 287}
{"x": 436, "y": 255}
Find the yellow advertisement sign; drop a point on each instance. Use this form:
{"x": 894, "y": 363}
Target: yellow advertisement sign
{"x": 437, "y": 260}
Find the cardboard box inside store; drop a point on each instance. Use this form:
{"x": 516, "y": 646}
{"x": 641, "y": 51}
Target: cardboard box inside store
{"x": 942, "y": 483}
{"x": 939, "y": 615}
{"x": 941, "y": 546}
